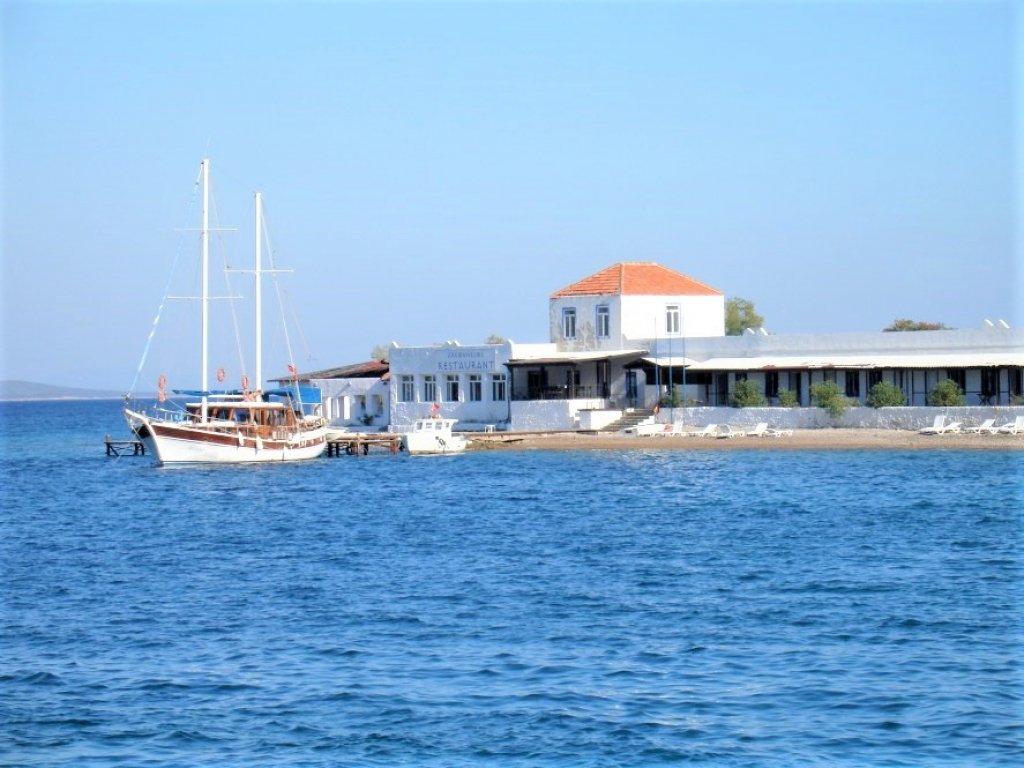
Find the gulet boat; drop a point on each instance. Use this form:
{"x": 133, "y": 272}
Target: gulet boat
{"x": 232, "y": 426}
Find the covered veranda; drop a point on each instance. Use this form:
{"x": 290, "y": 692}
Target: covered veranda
{"x": 595, "y": 375}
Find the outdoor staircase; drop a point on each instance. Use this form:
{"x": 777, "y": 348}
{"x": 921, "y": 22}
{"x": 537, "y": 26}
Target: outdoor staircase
{"x": 630, "y": 418}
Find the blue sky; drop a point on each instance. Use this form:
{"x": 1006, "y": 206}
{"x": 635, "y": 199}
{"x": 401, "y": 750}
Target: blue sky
{"x": 434, "y": 171}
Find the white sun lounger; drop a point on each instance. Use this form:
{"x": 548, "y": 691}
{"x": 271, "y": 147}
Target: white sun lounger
{"x": 1015, "y": 427}
{"x": 708, "y": 431}
{"x": 725, "y": 431}
{"x": 940, "y": 427}
{"x": 987, "y": 427}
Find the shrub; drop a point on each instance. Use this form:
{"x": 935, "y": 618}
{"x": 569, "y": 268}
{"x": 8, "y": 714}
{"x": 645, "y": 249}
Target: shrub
{"x": 946, "y": 392}
{"x": 671, "y": 399}
{"x": 746, "y": 394}
{"x": 826, "y": 395}
{"x": 885, "y": 395}
{"x": 787, "y": 398}
{"x": 903, "y": 324}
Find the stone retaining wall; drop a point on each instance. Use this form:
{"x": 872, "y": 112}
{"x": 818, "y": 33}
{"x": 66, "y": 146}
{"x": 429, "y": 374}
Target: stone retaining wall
{"x": 903, "y": 417}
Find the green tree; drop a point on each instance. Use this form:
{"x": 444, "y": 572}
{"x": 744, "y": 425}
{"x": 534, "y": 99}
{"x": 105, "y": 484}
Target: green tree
{"x": 787, "y": 398}
{"x": 495, "y": 339}
{"x": 946, "y": 393}
{"x": 904, "y": 324}
{"x": 381, "y": 352}
{"x": 739, "y": 315}
{"x": 826, "y": 394}
{"x": 746, "y": 394}
{"x": 885, "y": 395}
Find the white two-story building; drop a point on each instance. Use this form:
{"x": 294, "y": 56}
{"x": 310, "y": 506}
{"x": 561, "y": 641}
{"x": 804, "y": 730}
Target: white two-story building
{"x": 602, "y": 327}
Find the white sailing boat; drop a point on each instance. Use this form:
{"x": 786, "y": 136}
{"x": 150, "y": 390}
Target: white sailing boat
{"x": 232, "y": 427}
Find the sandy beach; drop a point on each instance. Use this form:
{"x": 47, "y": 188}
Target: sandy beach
{"x": 801, "y": 439}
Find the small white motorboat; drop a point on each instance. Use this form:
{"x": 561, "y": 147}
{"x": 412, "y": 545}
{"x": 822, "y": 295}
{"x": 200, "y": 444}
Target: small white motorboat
{"x": 431, "y": 436}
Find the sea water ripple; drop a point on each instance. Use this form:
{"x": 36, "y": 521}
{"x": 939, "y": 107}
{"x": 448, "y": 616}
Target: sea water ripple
{"x": 522, "y": 608}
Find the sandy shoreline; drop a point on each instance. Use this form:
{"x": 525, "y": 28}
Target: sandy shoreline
{"x": 801, "y": 439}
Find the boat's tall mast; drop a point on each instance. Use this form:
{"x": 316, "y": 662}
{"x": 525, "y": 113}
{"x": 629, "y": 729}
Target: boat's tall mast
{"x": 259, "y": 292}
{"x": 205, "y": 241}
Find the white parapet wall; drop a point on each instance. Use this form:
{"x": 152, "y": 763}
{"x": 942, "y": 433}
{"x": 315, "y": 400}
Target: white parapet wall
{"x": 550, "y": 415}
{"x": 854, "y": 418}
{"x": 598, "y": 419}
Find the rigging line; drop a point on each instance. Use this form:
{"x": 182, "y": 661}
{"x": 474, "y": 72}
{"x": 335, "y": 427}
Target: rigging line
{"x": 222, "y": 249}
{"x": 284, "y": 304}
{"x": 234, "y": 314}
{"x": 280, "y": 307}
{"x": 167, "y": 289}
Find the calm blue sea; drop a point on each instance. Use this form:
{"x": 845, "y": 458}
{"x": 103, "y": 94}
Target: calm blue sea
{"x": 506, "y": 608}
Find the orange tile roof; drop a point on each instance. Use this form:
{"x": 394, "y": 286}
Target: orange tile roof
{"x": 634, "y": 278}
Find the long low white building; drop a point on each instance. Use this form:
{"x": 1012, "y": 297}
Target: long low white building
{"x": 625, "y": 336}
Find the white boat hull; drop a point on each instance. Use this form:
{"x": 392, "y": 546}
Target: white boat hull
{"x": 433, "y": 436}
{"x": 184, "y": 443}
{"x": 420, "y": 444}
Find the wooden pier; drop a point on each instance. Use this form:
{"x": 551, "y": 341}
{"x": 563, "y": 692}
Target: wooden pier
{"x": 350, "y": 445}
{"x": 124, "y": 447}
{"x": 360, "y": 445}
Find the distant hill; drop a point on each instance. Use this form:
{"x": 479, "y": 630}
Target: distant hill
{"x": 33, "y": 390}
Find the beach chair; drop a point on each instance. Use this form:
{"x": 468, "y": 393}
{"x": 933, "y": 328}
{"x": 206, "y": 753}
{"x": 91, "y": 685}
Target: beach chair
{"x": 761, "y": 430}
{"x": 936, "y": 427}
{"x": 987, "y": 427}
{"x": 660, "y": 430}
{"x": 779, "y": 432}
{"x": 648, "y": 429}
{"x": 725, "y": 431}
{"x": 708, "y": 431}
{"x": 1015, "y": 427}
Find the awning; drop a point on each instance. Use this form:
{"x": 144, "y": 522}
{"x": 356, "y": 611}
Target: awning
{"x": 793, "y": 362}
{"x": 572, "y": 358}
{"x": 673, "y": 362}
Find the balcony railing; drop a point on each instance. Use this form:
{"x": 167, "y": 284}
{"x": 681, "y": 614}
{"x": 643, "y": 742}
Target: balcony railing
{"x": 589, "y": 392}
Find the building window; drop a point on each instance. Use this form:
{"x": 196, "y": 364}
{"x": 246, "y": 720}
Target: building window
{"x": 498, "y": 387}
{"x": 959, "y": 375}
{"x": 572, "y": 381}
{"x": 853, "y": 384}
{"x": 429, "y": 388}
{"x": 989, "y": 385}
{"x": 1016, "y": 382}
{"x": 672, "y": 318}
{"x": 741, "y": 376}
{"x": 569, "y": 323}
{"x": 874, "y": 377}
{"x": 476, "y": 387}
{"x": 771, "y": 384}
{"x": 407, "y": 391}
{"x": 603, "y": 322}
{"x": 795, "y": 384}
{"x": 451, "y": 387}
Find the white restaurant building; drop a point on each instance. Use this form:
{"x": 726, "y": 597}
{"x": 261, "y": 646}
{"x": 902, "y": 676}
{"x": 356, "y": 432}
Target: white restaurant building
{"x": 619, "y": 338}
